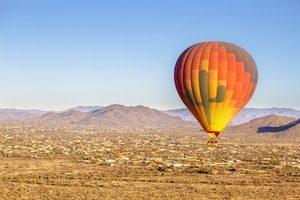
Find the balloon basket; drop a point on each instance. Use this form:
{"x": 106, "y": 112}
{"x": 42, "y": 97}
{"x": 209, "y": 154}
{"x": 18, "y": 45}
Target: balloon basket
{"x": 212, "y": 143}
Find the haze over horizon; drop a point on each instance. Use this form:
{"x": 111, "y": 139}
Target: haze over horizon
{"x": 56, "y": 55}
{"x": 86, "y": 106}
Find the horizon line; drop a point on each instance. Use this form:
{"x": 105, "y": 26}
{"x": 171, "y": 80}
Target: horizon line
{"x": 72, "y": 107}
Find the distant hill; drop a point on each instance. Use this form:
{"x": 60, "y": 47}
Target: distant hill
{"x": 267, "y": 121}
{"x": 113, "y": 116}
{"x": 267, "y": 127}
{"x": 19, "y": 115}
{"x": 244, "y": 116}
{"x": 183, "y": 113}
{"x": 248, "y": 114}
{"x": 86, "y": 108}
{"x": 61, "y": 119}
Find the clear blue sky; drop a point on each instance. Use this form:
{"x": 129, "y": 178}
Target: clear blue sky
{"x": 57, "y": 54}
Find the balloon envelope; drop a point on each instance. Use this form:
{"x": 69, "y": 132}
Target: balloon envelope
{"x": 215, "y": 80}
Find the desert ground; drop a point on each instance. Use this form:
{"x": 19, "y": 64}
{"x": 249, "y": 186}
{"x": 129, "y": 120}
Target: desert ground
{"x": 45, "y": 163}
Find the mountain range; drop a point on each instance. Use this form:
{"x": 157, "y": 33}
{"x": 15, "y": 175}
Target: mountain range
{"x": 113, "y": 116}
{"x": 250, "y": 120}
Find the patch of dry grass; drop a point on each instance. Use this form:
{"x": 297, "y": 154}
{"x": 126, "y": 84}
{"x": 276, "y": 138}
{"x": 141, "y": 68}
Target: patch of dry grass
{"x": 178, "y": 165}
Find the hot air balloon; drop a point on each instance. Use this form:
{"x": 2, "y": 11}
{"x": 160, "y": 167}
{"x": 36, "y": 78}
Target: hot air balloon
{"x": 215, "y": 80}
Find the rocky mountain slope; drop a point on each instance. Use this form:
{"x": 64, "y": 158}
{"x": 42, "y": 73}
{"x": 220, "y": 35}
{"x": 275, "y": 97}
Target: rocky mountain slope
{"x": 267, "y": 128}
{"x": 112, "y": 116}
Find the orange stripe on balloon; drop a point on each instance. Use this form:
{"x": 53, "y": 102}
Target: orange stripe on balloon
{"x": 180, "y": 73}
{"x": 222, "y": 64}
{"x": 245, "y": 88}
{"x": 214, "y": 57}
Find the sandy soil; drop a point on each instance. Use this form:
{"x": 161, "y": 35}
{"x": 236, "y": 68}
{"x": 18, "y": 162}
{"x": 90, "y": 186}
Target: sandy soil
{"x": 137, "y": 166}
